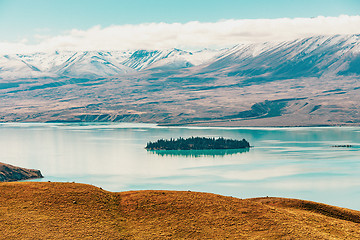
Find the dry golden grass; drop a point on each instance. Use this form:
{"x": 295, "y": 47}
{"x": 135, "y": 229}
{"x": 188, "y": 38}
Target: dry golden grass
{"x": 76, "y": 211}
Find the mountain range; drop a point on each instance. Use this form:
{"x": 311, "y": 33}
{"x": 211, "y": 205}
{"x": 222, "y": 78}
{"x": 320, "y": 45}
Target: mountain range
{"x": 303, "y": 82}
{"x": 93, "y": 64}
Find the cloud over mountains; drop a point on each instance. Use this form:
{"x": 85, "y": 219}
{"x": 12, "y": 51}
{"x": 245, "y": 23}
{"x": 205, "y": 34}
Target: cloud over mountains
{"x": 190, "y": 35}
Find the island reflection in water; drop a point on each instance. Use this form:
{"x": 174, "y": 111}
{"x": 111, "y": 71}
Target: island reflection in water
{"x": 199, "y": 153}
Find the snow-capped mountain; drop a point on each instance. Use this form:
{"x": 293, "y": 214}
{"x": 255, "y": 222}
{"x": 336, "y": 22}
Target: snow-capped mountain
{"x": 90, "y": 64}
{"x": 14, "y": 67}
{"x": 309, "y": 57}
{"x": 169, "y": 59}
{"x": 315, "y": 56}
{"x": 98, "y": 63}
{"x": 304, "y": 82}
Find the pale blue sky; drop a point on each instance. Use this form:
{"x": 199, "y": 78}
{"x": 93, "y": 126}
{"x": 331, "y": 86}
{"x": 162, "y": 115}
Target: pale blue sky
{"x": 25, "y": 18}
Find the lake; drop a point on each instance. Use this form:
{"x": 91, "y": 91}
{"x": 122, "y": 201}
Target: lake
{"x": 284, "y": 162}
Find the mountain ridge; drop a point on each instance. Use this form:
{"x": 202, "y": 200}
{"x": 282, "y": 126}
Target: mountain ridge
{"x": 97, "y": 63}
{"x": 305, "y": 82}
{"x": 110, "y": 63}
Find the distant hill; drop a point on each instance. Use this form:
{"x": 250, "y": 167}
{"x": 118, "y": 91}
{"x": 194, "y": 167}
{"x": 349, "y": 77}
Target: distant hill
{"x": 305, "y": 82}
{"x": 12, "y": 173}
{"x": 45, "y": 210}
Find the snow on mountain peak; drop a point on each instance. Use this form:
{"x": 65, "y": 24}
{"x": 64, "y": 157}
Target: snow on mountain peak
{"x": 97, "y": 63}
{"x": 325, "y": 54}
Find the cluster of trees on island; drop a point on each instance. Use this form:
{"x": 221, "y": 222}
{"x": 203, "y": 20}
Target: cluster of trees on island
{"x": 197, "y": 143}
{"x": 342, "y": 146}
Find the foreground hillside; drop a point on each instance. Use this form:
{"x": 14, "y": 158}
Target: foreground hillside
{"x": 13, "y": 173}
{"x": 77, "y": 211}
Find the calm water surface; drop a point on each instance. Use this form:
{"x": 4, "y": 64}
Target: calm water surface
{"x": 285, "y": 162}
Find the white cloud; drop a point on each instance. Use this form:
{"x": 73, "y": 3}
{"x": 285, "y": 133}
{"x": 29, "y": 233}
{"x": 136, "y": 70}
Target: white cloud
{"x": 189, "y": 35}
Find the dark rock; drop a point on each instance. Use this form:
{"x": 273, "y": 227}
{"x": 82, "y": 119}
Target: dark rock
{"x": 10, "y": 173}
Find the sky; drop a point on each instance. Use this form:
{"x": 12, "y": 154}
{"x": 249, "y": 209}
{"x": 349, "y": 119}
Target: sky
{"x": 44, "y": 25}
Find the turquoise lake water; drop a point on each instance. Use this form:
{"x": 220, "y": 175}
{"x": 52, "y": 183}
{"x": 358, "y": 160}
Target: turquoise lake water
{"x": 284, "y": 162}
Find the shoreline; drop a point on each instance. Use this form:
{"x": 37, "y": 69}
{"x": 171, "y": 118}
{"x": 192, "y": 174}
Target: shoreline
{"x": 187, "y": 125}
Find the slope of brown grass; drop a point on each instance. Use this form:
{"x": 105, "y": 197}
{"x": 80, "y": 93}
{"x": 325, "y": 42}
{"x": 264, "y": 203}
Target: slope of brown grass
{"x": 77, "y": 211}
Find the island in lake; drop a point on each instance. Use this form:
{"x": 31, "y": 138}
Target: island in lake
{"x": 197, "y": 143}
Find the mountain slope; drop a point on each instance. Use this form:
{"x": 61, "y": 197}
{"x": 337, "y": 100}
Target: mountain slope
{"x": 169, "y": 59}
{"x": 309, "y": 57}
{"x": 12, "y": 67}
{"x": 91, "y": 64}
{"x": 305, "y": 82}
{"x": 94, "y": 64}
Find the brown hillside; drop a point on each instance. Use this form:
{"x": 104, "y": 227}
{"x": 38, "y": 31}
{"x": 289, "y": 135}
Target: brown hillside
{"x": 76, "y": 211}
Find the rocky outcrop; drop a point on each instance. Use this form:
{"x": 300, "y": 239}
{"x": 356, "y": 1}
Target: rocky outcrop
{"x": 11, "y": 173}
